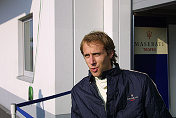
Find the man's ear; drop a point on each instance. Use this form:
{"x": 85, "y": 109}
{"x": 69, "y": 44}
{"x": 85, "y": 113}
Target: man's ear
{"x": 111, "y": 54}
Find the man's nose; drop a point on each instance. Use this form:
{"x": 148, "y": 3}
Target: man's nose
{"x": 92, "y": 60}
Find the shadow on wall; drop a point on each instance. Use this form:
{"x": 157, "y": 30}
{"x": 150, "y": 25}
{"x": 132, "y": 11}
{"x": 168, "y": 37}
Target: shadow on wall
{"x": 30, "y": 109}
{"x": 40, "y": 111}
{"x": 9, "y": 9}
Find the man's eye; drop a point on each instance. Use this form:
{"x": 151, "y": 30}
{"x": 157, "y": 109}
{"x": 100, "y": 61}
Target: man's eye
{"x": 97, "y": 54}
{"x": 86, "y": 55}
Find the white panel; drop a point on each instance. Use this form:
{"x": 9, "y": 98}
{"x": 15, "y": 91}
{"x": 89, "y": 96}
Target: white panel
{"x": 124, "y": 33}
{"x": 115, "y": 25}
{"x": 139, "y": 4}
{"x": 108, "y": 17}
{"x": 44, "y": 79}
{"x": 44, "y": 48}
{"x": 172, "y": 68}
{"x": 111, "y": 21}
{"x": 64, "y": 53}
{"x": 88, "y": 17}
{"x": 9, "y": 49}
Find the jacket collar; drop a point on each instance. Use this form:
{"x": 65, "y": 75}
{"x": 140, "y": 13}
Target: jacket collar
{"x": 106, "y": 74}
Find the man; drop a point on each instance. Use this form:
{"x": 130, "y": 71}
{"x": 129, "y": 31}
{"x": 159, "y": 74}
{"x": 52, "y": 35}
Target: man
{"x": 110, "y": 92}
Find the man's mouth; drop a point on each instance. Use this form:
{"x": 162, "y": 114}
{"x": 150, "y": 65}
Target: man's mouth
{"x": 94, "y": 69}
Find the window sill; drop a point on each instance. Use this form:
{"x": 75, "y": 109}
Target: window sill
{"x": 25, "y": 78}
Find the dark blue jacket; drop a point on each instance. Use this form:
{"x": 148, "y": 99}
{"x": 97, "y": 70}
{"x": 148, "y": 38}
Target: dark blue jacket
{"x": 130, "y": 94}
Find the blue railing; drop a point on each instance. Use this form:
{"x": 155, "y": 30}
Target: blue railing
{"x": 16, "y": 107}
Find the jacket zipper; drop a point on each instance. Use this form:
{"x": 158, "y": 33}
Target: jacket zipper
{"x": 96, "y": 89}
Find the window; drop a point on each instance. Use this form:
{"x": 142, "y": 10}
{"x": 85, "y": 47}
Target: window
{"x": 25, "y": 28}
{"x": 28, "y": 45}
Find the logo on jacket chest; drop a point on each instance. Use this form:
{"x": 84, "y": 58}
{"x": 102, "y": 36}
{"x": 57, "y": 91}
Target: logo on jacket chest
{"x": 132, "y": 97}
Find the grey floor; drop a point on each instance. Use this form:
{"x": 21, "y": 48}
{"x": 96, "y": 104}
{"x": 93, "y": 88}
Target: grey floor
{"x": 4, "y": 113}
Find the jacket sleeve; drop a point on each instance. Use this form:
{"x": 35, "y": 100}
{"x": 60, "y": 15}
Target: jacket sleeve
{"x": 154, "y": 104}
{"x": 75, "y": 113}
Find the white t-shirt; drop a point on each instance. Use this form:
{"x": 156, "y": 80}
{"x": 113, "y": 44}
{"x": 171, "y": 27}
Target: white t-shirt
{"x": 102, "y": 87}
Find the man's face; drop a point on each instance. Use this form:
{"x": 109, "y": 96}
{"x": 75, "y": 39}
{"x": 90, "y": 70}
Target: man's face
{"x": 96, "y": 58}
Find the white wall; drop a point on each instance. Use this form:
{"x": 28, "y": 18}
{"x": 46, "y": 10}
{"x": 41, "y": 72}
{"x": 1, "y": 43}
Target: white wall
{"x": 172, "y": 68}
{"x": 44, "y": 79}
{"x": 125, "y": 34}
{"x": 59, "y": 62}
{"x": 139, "y": 4}
{"x": 73, "y": 20}
{"x": 117, "y": 23}
{"x": 88, "y": 16}
{"x": 63, "y": 53}
{"x": 45, "y": 59}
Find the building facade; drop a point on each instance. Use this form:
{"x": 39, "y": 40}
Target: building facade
{"x": 40, "y": 42}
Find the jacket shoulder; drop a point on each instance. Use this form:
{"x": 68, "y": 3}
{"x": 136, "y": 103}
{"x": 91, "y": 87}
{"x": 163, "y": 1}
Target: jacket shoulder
{"x": 135, "y": 75}
{"x": 81, "y": 84}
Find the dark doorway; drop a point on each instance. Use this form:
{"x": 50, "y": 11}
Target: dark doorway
{"x": 157, "y": 66}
